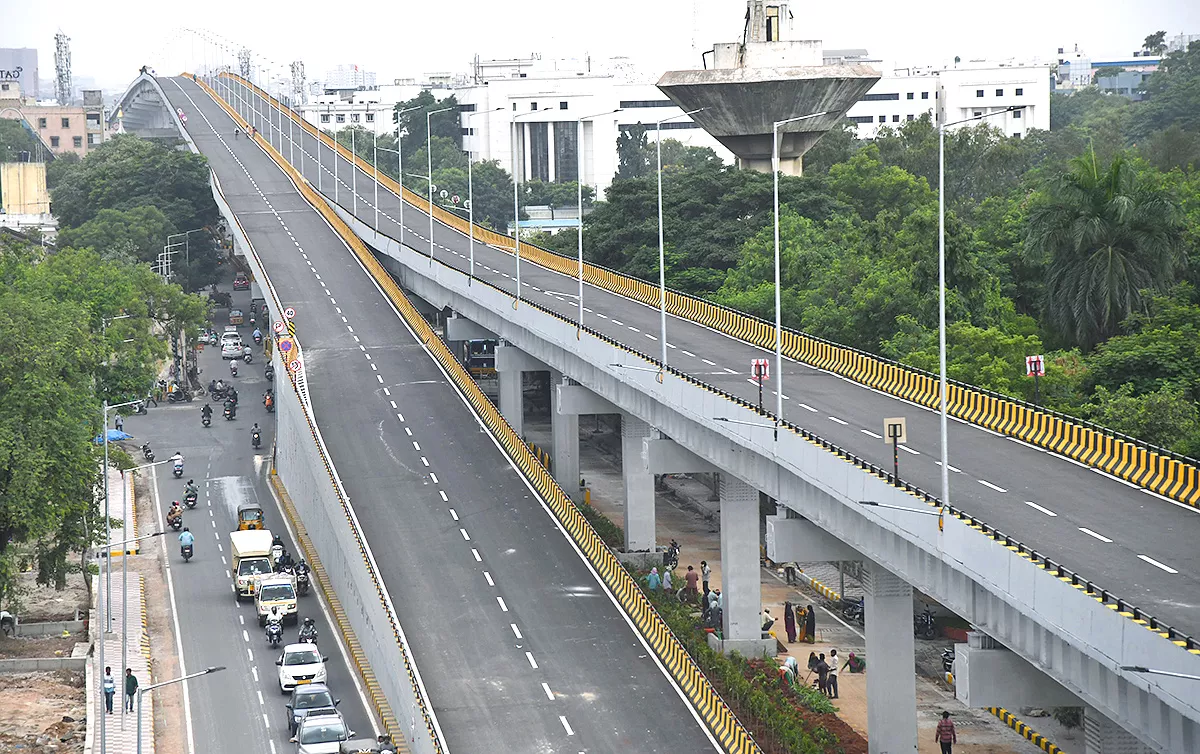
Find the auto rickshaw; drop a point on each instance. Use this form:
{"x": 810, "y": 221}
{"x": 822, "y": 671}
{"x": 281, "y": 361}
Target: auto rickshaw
{"x": 236, "y": 317}
{"x": 250, "y": 516}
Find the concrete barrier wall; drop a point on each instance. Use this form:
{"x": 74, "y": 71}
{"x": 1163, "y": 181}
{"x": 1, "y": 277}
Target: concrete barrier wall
{"x": 38, "y": 664}
{"x": 49, "y": 628}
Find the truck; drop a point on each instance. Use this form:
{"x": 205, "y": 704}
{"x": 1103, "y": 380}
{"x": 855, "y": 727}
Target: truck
{"x": 258, "y": 304}
{"x": 276, "y": 591}
{"x": 252, "y": 559}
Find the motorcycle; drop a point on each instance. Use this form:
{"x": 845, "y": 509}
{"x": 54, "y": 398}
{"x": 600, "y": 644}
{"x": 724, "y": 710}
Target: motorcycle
{"x": 302, "y": 583}
{"x": 269, "y": 373}
{"x": 190, "y": 499}
{"x": 212, "y": 338}
{"x": 308, "y": 635}
{"x": 233, "y": 368}
{"x": 269, "y": 402}
{"x": 147, "y": 453}
{"x": 274, "y": 633}
{"x": 179, "y": 396}
{"x": 276, "y": 553}
{"x": 258, "y": 339}
{"x": 186, "y": 551}
{"x": 925, "y": 625}
{"x": 248, "y": 356}
{"x": 228, "y": 413}
{"x": 178, "y": 469}
{"x": 671, "y": 556}
{"x": 140, "y": 408}
{"x": 948, "y": 660}
{"x": 206, "y": 420}
{"x": 256, "y": 440}
{"x": 176, "y": 523}
{"x": 853, "y": 612}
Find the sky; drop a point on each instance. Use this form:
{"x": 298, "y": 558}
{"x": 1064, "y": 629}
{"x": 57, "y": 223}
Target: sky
{"x": 405, "y": 39}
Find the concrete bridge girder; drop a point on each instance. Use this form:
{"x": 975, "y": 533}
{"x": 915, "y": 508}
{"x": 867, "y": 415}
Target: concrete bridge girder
{"x": 1050, "y": 623}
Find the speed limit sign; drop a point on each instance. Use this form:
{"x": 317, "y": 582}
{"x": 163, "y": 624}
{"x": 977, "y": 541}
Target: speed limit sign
{"x": 278, "y": 326}
{"x": 289, "y": 312}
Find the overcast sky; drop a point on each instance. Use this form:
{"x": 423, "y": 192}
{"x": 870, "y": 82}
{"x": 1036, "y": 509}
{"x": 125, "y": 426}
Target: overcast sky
{"x": 109, "y": 42}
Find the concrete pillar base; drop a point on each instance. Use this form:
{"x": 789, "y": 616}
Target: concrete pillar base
{"x": 745, "y": 647}
{"x": 642, "y": 561}
{"x": 741, "y": 582}
{"x": 564, "y": 429}
{"x": 891, "y": 651}
{"x": 639, "y": 486}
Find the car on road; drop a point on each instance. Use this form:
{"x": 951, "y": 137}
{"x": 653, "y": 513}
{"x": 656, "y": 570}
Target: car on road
{"x": 276, "y": 591}
{"x": 241, "y": 282}
{"x": 322, "y": 734}
{"x": 309, "y": 699}
{"x": 300, "y": 665}
{"x": 232, "y": 349}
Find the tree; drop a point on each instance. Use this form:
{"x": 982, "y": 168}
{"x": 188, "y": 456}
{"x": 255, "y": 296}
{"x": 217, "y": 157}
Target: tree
{"x": 1172, "y": 148}
{"x": 143, "y": 229}
{"x": 14, "y": 139}
{"x": 60, "y": 167}
{"x": 1157, "y": 348}
{"x": 412, "y": 125}
{"x": 633, "y": 159}
{"x": 1156, "y": 43}
{"x": 871, "y": 187}
{"x": 1172, "y": 95}
{"x": 1166, "y": 417}
{"x": 1107, "y": 235}
{"x": 837, "y": 145}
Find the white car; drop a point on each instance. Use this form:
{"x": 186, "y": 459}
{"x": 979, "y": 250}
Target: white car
{"x": 300, "y": 664}
{"x": 231, "y": 349}
{"x": 322, "y": 734}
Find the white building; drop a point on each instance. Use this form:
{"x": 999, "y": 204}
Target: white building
{"x": 546, "y": 100}
{"x": 955, "y": 93}
{"x": 349, "y": 77}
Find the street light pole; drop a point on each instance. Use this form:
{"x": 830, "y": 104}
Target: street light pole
{"x": 579, "y": 198}
{"x": 400, "y": 165}
{"x": 662, "y": 253}
{"x": 778, "y": 297}
{"x": 1152, "y": 671}
{"x": 375, "y": 163}
{"x": 429, "y": 173}
{"x": 516, "y": 204}
{"x": 151, "y": 687}
{"x": 354, "y": 170}
{"x": 471, "y": 197}
{"x": 945, "y": 442}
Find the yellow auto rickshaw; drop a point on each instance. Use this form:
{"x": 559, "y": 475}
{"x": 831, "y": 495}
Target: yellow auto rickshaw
{"x": 250, "y": 516}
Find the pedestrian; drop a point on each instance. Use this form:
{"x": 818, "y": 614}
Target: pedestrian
{"x": 823, "y": 674}
{"x": 833, "y": 674}
{"x": 704, "y": 606}
{"x": 810, "y": 624}
{"x": 801, "y": 624}
{"x": 766, "y": 620}
{"x": 705, "y": 574}
{"x": 945, "y": 734}
{"x": 667, "y": 585}
{"x": 855, "y": 664}
{"x": 110, "y": 689}
{"x": 789, "y": 573}
{"x": 120, "y": 423}
{"x": 654, "y": 581}
{"x": 789, "y": 622}
{"x": 131, "y": 687}
{"x": 691, "y": 579}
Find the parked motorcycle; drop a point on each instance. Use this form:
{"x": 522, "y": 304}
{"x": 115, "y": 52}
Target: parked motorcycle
{"x": 186, "y": 551}
{"x": 948, "y": 660}
{"x": 925, "y": 625}
{"x": 671, "y": 556}
{"x": 853, "y": 612}
{"x": 147, "y": 453}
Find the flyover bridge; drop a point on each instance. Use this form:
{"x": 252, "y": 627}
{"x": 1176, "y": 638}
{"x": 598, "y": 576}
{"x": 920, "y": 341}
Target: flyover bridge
{"x": 1069, "y": 547}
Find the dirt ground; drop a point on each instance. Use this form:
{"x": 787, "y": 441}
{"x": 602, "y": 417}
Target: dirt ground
{"x": 43, "y": 603}
{"x": 169, "y": 727}
{"x": 42, "y": 712}
{"x": 50, "y": 646}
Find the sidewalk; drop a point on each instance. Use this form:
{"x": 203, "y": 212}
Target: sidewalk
{"x": 688, "y": 512}
{"x": 121, "y": 508}
{"x": 121, "y": 729}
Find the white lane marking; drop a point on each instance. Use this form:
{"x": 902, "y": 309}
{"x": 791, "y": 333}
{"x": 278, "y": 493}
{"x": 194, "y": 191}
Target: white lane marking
{"x": 424, "y": 460}
{"x": 952, "y": 468}
{"x": 516, "y": 631}
{"x": 989, "y": 485}
{"x": 1100, "y": 537}
{"x": 730, "y": 371}
{"x": 871, "y": 434}
{"x": 261, "y": 702}
{"x": 532, "y": 662}
{"x": 272, "y": 746}
{"x": 254, "y": 672}
{"x": 1037, "y": 507}
{"x": 710, "y": 363}
{"x": 249, "y": 654}
{"x": 466, "y": 536}
{"x": 549, "y": 693}
{"x": 631, "y": 327}
{"x": 388, "y": 392}
{"x": 393, "y": 403}
{"x": 241, "y": 619}
{"x": 433, "y": 477}
{"x": 503, "y": 606}
{"x": 839, "y": 421}
{"x": 566, "y": 725}
{"x": 1156, "y": 564}
{"x": 907, "y": 449}
{"x": 245, "y": 635}
{"x": 378, "y": 377}
{"x": 476, "y": 554}
{"x": 806, "y": 407}
{"x": 488, "y": 576}
{"x": 445, "y": 499}
{"x": 374, "y": 368}
{"x": 266, "y": 724}
{"x": 686, "y": 352}
{"x": 400, "y": 416}
{"x": 453, "y": 513}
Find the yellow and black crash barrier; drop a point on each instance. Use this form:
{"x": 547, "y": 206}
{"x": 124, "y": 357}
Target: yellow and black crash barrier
{"x": 726, "y": 728}
{"x": 542, "y": 456}
{"x": 375, "y": 692}
{"x": 1156, "y": 470}
{"x": 1037, "y": 739}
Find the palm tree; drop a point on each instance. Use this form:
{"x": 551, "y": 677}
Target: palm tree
{"x": 1108, "y": 235}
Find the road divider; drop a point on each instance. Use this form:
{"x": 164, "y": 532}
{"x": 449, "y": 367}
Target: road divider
{"x": 1037, "y": 739}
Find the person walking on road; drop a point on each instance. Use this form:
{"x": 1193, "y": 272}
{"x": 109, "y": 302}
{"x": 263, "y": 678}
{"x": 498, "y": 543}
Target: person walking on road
{"x": 705, "y": 575}
{"x": 945, "y": 734}
{"x": 822, "y": 674}
{"x": 131, "y": 687}
{"x": 789, "y": 622}
{"x": 833, "y": 674}
{"x": 690, "y": 579}
{"x": 110, "y": 689}
{"x": 120, "y": 423}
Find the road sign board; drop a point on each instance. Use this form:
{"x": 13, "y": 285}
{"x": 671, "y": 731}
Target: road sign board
{"x": 760, "y": 370}
{"x": 289, "y": 312}
{"x": 278, "y": 326}
{"x": 895, "y": 430}
{"x": 285, "y": 345}
{"x": 1035, "y": 366}
{"x": 295, "y": 365}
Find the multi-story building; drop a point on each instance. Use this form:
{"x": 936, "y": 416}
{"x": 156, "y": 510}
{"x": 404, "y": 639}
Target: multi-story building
{"x": 349, "y": 77}
{"x": 954, "y": 93}
{"x": 61, "y": 128}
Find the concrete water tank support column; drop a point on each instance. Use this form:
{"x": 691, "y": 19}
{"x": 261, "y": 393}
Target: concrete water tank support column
{"x": 564, "y": 429}
{"x": 741, "y": 582}
{"x": 639, "y": 486}
{"x": 891, "y": 663}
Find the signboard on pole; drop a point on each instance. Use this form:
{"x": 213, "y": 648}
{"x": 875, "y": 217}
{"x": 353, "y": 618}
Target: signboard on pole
{"x": 1035, "y": 366}
{"x": 760, "y": 370}
{"x": 289, "y": 312}
{"x": 895, "y": 431}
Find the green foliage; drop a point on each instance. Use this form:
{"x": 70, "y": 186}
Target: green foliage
{"x": 566, "y": 194}
{"x": 14, "y": 139}
{"x": 633, "y": 157}
{"x": 1167, "y": 417}
{"x": 412, "y": 125}
{"x": 1157, "y": 348}
{"x": 1155, "y": 44}
{"x": 62, "y": 165}
{"x": 837, "y": 145}
{"x": 141, "y": 231}
{"x": 1173, "y": 95}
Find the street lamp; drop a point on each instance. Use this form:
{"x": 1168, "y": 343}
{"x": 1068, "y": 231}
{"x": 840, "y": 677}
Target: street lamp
{"x": 400, "y": 165}
{"x": 107, "y": 527}
{"x": 429, "y": 156}
{"x": 353, "y": 165}
{"x": 778, "y": 303}
{"x": 374, "y": 163}
{"x": 151, "y": 687}
{"x": 579, "y": 188}
{"x": 942, "y": 289}
{"x": 1152, "y": 671}
{"x": 471, "y": 196}
{"x": 516, "y": 202}
{"x": 662, "y": 255}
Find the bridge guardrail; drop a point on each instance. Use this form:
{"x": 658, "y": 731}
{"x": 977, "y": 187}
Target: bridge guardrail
{"x": 724, "y": 725}
{"x": 1101, "y": 595}
{"x": 298, "y": 382}
{"x": 1158, "y": 469}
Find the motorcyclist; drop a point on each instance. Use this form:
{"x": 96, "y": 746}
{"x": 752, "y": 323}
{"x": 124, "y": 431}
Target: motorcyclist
{"x": 257, "y": 334}
{"x": 175, "y": 513}
{"x": 186, "y": 539}
{"x": 285, "y": 562}
{"x": 206, "y": 411}
{"x": 308, "y": 632}
{"x": 255, "y": 436}
{"x": 190, "y": 488}
{"x": 231, "y": 407}
{"x": 233, "y": 394}
{"x": 384, "y": 745}
{"x": 269, "y": 399}
{"x": 302, "y": 567}
{"x": 233, "y": 368}
{"x": 277, "y": 542}
{"x": 177, "y": 460}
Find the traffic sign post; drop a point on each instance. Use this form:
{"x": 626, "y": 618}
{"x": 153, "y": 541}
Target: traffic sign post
{"x": 1035, "y": 367}
{"x": 895, "y": 431}
{"x": 760, "y": 371}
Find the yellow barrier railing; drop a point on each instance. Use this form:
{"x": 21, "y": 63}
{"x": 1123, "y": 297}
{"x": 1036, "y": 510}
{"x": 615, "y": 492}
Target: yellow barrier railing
{"x": 725, "y": 726}
{"x": 1125, "y": 458}
{"x": 378, "y": 699}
